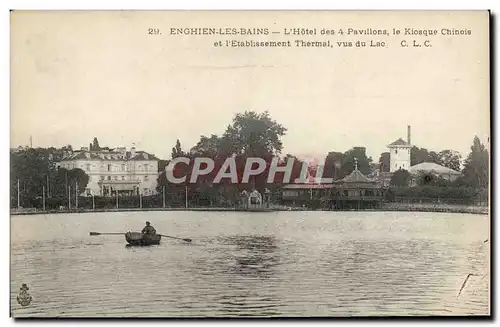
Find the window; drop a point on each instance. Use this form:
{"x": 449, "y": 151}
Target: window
{"x": 146, "y": 177}
{"x": 109, "y": 167}
{"x": 90, "y": 178}
{"x": 396, "y": 151}
{"x": 102, "y": 178}
{"x": 109, "y": 178}
{"x": 146, "y": 167}
{"x": 87, "y": 167}
{"x": 123, "y": 178}
{"x": 116, "y": 178}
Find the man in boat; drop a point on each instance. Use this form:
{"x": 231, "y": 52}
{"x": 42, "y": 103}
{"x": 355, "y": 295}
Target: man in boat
{"x": 149, "y": 230}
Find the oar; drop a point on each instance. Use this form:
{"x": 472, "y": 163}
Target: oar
{"x": 177, "y": 238}
{"x": 95, "y": 233}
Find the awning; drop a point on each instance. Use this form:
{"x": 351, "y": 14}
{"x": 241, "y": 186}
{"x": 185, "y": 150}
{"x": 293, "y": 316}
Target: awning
{"x": 120, "y": 185}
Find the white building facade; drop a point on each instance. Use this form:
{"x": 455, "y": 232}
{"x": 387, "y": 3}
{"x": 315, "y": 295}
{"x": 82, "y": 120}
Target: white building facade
{"x": 400, "y": 153}
{"x": 115, "y": 171}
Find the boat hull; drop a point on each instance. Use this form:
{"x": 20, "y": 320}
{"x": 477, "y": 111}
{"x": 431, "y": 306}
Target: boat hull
{"x": 139, "y": 239}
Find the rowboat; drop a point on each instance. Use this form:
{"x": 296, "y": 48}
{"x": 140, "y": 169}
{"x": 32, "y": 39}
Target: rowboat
{"x": 135, "y": 238}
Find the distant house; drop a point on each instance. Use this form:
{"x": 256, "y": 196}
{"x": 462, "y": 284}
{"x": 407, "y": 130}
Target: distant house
{"x": 115, "y": 170}
{"x": 434, "y": 168}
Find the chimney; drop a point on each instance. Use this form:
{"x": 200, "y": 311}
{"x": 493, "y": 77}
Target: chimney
{"x": 409, "y": 135}
{"x": 132, "y": 151}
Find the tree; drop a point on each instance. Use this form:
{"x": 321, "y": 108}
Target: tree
{"x": 249, "y": 135}
{"x": 418, "y": 155}
{"x": 65, "y": 178}
{"x": 296, "y": 169}
{"x": 431, "y": 179}
{"x": 36, "y": 171}
{"x": 476, "y": 167}
{"x": 60, "y": 183}
{"x": 207, "y": 146}
{"x": 333, "y": 163}
{"x": 177, "y": 150}
{"x": 31, "y": 167}
{"x": 401, "y": 178}
{"x": 348, "y": 160}
{"x": 434, "y": 157}
{"x": 95, "y": 144}
{"x": 162, "y": 164}
{"x": 450, "y": 159}
{"x": 78, "y": 177}
{"x": 254, "y": 134}
{"x": 385, "y": 162}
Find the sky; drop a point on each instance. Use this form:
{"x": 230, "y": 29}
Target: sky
{"x": 80, "y": 75}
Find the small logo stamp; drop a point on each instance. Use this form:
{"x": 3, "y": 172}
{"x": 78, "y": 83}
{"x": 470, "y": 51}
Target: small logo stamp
{"x": 24, "y": 298}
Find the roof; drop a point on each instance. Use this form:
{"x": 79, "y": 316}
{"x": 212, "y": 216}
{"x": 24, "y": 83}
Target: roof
{"x": 309, "y": 183}
{"x": 399, "y": 142}
{"x": 356, "y": 177}
{"x": 432, "y": 167}
{"x": 307, "y": 186}
{"x": 110, "y": 156}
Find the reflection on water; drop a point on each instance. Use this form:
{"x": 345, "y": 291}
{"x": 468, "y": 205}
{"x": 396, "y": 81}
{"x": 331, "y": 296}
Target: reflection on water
{"x": 255, "y": 255}
{"x": 242, "y": 263}
{"x": 285, "y": 264}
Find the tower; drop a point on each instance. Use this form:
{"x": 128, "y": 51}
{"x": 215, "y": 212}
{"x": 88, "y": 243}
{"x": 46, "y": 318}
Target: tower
{"x": 400, "y": 153}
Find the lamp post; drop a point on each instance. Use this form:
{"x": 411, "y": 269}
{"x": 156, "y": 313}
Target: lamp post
{"x": 163, "y": 196}
{"x": 18, "y": 196}
{"x": 76, "y": 195}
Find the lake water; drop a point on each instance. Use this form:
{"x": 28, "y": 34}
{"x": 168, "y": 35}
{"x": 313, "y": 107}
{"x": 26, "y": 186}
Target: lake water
{"x": 292, "y": 264}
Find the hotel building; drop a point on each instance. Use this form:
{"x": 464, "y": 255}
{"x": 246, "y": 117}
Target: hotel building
{"x": 115, "y": 170}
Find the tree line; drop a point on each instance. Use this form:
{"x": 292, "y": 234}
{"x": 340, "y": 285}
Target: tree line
{"x": 250, "y": 134}
{"x": 34, "y": 173}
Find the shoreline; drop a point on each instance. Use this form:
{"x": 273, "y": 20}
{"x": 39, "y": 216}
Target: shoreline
{"x": 388, "y": 208}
